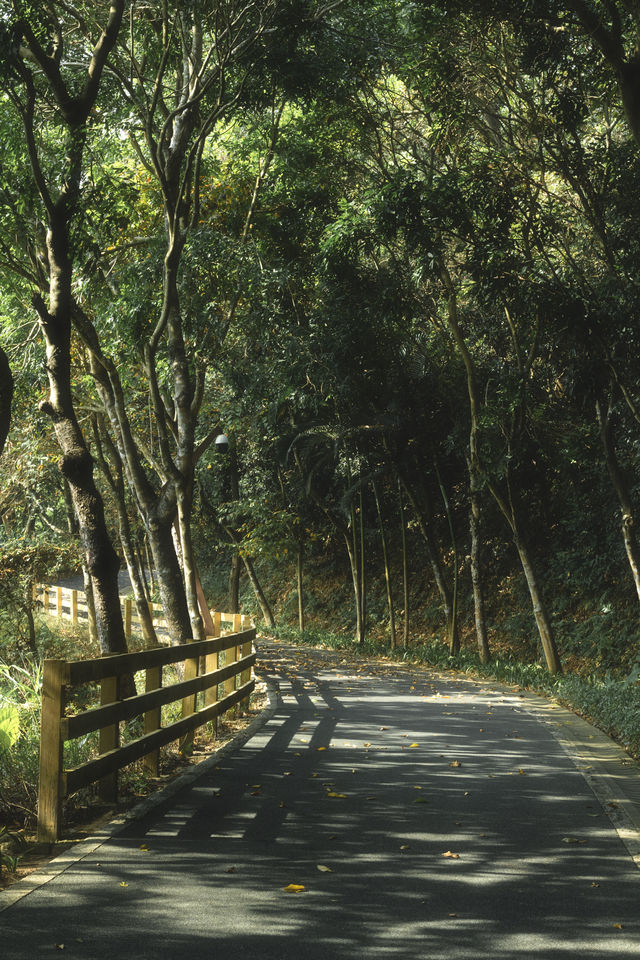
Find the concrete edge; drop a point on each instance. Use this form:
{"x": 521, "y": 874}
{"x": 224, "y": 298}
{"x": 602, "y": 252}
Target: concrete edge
{"x": 22, "y": 888}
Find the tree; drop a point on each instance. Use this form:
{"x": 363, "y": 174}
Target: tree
{"x": 42, "y": 85}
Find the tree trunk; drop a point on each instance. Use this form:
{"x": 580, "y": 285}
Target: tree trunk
{"x": 76, "y": 464}
{"x": 91, "y": 610}
{"x": 6, "y": 397}
{"x": 299, "y": 580}
{"x": 114, "y": 477}
{"x": 170, "y": 583}
{"x": 355, "y": 577}
{"x": 267, "y": 613}
{"x": 234, "y": 583}
{"x": 424, "y": 525}
{"x": 405, "y": 569}
{"x": 387, "y": 572}
{"x": 476, "y": 566}
{"x": 188, "y": 563}
{"x": 539, "y": 610}
{"x": 627, "y": 521}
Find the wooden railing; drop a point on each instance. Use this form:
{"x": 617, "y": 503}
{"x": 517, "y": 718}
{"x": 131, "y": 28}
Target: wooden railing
{"x": 222, "y": 685}
{"x": 68, "y": 604}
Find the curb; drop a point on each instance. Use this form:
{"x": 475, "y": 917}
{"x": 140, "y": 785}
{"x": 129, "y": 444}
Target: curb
{"x": 22, "y": 888}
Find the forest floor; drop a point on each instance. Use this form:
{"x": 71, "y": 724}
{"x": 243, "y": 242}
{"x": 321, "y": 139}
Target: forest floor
{"x": 381, "y": 810}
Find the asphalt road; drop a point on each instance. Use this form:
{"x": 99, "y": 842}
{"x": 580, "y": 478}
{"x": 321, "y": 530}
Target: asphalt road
{"x": 425, "y": 816}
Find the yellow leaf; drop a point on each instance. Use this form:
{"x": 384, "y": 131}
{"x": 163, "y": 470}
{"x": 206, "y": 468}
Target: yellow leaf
{"x": 321, "y": 748}
{"x": 123, "y": 884}
{"x": 618, "y": 926}
{"x": 144, "y": 848}
{"x": 455, "y": 763}
{"x": 321, "y": 867}
{"x": 340, "y": 796}
{"x": 451, "y": 856}
{"x": 411, "y": 745}
{"x": 294, "y": 888}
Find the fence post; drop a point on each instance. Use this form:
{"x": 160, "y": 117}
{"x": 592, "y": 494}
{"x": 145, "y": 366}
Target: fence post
{"x": 153, "y": 680}
{"x": 211, "y": 663}
{"x": 50, "y": 787}
{"x": 189, "y": 703}
{"x": 109, "y": 738}
{"x": 245, "y": 676}
{"x": 127, "y": 617}
{"x": 45, "y": 600}
{"x": 59, "y": 601}
{"x": 74, "y": 606}
{"x": 238, "y": 619}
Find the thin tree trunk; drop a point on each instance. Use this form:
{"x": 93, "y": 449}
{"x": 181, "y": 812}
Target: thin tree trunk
{"x": 115, "y": 479}
{"x": 355, "y": 578}
{"x": 405, "y": 569}
{"x": 363, "y": 567}
{"x": 91, "y": 610}
{"x": 188, "y": 563}
{"x": 539, "y": 609}
{"x": 627, "y": 518}
{"x": 387, "y": 572}
{"x": 476, "y": 567}
{"x": 454, "y": 636}
{"x": 356, "y": 573}
{"x": 267, "y": 613}
{"x": 234, "y": 583}
{"x": 6, "y": 397}
{"x": 424, "y": 525}
{"x": 299, "y": 572}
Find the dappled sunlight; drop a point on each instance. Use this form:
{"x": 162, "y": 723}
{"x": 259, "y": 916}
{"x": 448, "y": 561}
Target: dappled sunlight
{"x": 414, "y": 815}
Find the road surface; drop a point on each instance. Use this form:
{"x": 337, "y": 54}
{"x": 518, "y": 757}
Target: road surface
{"x": 422, "y": 815}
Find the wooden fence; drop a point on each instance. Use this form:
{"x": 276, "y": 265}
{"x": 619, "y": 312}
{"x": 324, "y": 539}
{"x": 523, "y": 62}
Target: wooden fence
{"x": 219, "y": 670}
{"x": 68, "y": 604}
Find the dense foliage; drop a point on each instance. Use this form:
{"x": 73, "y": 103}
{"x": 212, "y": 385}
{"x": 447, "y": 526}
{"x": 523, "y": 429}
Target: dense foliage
{"x": 390, "y": 250}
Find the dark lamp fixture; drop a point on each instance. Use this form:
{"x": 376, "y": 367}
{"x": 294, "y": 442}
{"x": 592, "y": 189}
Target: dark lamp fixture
{"x": 221, "y": 443}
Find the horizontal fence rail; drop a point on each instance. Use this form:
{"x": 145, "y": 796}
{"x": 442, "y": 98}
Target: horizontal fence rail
{"x": 70, "y": 604}
{"x": 217, "y": 670}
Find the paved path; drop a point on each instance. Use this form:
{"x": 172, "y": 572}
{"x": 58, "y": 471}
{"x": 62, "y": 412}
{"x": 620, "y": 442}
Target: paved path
{"x": 425, "y": 816}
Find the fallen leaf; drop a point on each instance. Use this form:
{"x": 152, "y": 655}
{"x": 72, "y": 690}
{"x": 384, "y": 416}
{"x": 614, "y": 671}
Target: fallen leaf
{"x": 595, "y": 884}
{"x": 451, "y": 856}
{"x": 321, "y": 867}
{"x": 59, "y": 946}
{"x": 405, "y": 846}
{"x": 321, "y": 748}
{"x": 294, "y": 888}
{"x": 230, "y": 870}
{"x": 455, "y": 763}
{"x": 522, "y": 772}
{"x": 144, "y": 848}
{"x": 573, "y": 840}
{"x": 618, "y": 926}
{"x": 339, "y": 796}
{"x": 123, "y": 883}
{"x": 421, "y": 800}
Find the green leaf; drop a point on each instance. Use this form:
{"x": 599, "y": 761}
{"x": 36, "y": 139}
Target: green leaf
{"x": 9, "y": 727}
